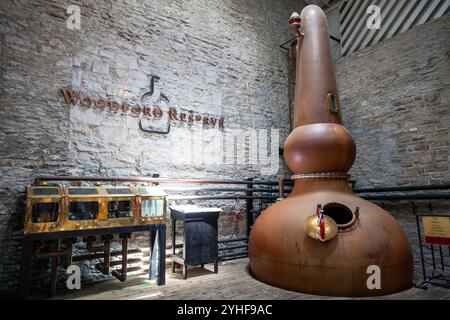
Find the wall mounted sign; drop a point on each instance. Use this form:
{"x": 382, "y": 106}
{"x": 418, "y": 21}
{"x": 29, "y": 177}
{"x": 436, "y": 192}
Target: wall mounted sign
{"x": 142, "y": 110}
{"x": 436, "y": 230}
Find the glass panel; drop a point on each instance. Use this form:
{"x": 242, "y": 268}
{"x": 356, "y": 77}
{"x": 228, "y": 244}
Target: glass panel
{"x": 45, "y": 191}
{"x": 159, "y": 208}
{"x": 153, "y": 191}
{"x": 118, "y": 191}
{"x": 44, "y": 212}
{"x": 152, "y": 208}
{"x": 120, "y": 209}
{"x": 83, "y": 210}
{"x": 82, "y": 191}
{"x": 144, "y": 191}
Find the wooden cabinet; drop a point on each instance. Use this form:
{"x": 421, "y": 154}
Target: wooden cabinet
{"x": 200, "y": 236}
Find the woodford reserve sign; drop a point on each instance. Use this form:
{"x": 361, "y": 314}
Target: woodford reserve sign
{"x": 153, "y": 112}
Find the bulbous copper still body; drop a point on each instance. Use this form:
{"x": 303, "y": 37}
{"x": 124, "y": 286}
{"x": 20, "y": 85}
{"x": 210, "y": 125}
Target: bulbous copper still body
{"x": 291, "y": 245}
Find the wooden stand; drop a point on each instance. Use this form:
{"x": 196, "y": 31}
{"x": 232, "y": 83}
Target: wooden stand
{"x": 156, "y": 261}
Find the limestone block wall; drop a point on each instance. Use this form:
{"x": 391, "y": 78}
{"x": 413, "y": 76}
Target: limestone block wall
{"x": 218, "y": 60}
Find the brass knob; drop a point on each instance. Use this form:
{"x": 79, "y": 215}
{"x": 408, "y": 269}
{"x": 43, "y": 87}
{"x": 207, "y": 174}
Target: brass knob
{"x": 312, "y": 228}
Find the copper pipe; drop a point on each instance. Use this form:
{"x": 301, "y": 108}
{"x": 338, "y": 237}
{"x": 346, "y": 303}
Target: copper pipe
{"x": 122, "y": 275}
{"x": 262, "y": 190}
{"x": 106, "y": 257}
{"x": 69, "y": 252}
{"x": 46, "y": 255}
{"x": 91, "y": 248}
{"x": 55, "y": 254}
{"x": 101, "y": 255}
{"x": 40, "y": 179}
{"x": 51, "y": 254}
{"x": 106, "y": 249}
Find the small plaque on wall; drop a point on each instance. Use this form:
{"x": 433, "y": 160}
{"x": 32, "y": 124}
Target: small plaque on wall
{"x": 436, "y": 230}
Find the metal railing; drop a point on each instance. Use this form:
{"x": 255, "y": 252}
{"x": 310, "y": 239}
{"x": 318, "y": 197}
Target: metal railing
{"x": 250, "y": 189}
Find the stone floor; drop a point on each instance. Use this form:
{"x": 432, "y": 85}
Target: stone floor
{"x": 232, "y": 282}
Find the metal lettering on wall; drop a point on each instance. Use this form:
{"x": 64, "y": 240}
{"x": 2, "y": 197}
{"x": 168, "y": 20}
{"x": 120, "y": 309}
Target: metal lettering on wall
{"x": 145, "y": 112}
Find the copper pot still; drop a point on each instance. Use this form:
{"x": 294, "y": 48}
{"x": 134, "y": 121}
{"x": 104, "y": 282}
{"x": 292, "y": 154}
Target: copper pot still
{"x": 323, "y": 239}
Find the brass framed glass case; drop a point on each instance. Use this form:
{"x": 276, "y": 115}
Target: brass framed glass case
{"x": 60, "y": 208}
{"x": 44, "y": 208}
{"x": 152, "y": 202}
{"x": 94, "y": 207}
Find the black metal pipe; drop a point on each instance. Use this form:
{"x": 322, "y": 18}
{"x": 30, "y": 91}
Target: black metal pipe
{"x": 54, "y": 268}
{"x": 419, "y": 233}
{"x": 271, "y": 190}
{"x": 410, "y": 197}
{"x": 432, "y": 256}
{"x": 234, "y": 239}
{"x": 281, "y": 188}
{"x": 233, "y": 255}
{"x": 405, "y": 188}
{"x": 238, "y": 197}
{"x": 442, "y": 258}
{"x": 234, "y": 247}
{"x": 249, "y": 206}
{"x": 335, "y": 39}
{"x": 283, "y": 45}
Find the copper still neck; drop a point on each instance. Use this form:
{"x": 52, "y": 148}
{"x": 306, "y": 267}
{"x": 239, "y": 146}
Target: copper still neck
{"x": 316, "y": 99}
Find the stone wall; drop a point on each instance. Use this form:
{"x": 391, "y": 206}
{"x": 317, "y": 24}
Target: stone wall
{"x": 217, "y": 59}
{"x": 395, "y": 99}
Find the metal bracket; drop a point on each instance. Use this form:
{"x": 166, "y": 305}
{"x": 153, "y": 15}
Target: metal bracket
{"x": 333, "y": 102}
